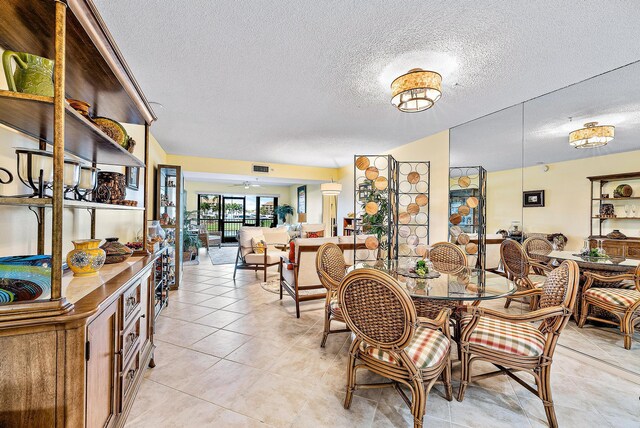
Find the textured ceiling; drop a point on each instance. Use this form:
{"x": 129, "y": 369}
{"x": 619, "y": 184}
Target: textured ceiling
{"x": 307, "y": 82}
{"x": 537, "y": 132}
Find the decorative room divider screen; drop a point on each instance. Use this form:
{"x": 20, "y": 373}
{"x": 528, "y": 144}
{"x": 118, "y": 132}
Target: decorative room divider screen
{"x": 391, "y": 206}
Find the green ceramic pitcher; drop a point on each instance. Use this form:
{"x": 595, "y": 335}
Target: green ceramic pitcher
{"x": 33, "y": 75}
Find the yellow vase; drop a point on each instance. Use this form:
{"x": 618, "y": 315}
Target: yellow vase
{"x": 86, "y": 258}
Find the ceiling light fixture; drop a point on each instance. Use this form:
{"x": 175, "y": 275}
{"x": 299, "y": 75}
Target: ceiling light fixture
{"x": 418, "y": 90}
{"x": 591, "y": 136}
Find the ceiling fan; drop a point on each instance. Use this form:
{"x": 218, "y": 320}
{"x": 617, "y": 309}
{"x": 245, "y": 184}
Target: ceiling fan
{"x": 246, "y": 184}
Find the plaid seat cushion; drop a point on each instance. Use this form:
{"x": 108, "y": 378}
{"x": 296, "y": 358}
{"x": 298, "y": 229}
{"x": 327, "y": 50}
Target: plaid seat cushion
{"x": 334, "y": 307}
{"x": 629, "y": 285}
{"x": 427, "y": 349}
{"x": 617, "y": 296}
{"x": 513, "y": 338}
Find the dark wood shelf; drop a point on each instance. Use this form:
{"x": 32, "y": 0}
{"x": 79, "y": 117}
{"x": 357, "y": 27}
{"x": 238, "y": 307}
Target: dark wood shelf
{"x": 47, "y": 202}
{"x": 96, "y": 71}
{"x": 617, "y": 199}
{"x": 616, "y": 218}
{"x": 33, "y": 116}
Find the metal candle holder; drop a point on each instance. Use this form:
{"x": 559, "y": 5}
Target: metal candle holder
{"x": 88, "y": 182}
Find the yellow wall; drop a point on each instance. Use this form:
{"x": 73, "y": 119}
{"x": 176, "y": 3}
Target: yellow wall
{"x": 567, "y": 197}
{"x": 434, "y": 148}
{"x": 226, "y": 166}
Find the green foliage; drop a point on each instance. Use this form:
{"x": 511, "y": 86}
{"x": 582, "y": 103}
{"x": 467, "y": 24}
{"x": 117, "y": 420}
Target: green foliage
{"x": 377, "y": 224}
{"x": 283, "y": 210}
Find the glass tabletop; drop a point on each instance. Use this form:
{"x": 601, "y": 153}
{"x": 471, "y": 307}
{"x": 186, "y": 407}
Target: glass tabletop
{"x": 466, "y": 284}
{"x": 605, "y": 261}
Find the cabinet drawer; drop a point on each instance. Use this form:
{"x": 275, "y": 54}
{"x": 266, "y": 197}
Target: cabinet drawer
{"x": 128, "y": 376}
{"x": 130, "y": 338}
{"x": 131, "y": 302}
{"x": 633, "y": 250}
{"x": 613, "y": 249}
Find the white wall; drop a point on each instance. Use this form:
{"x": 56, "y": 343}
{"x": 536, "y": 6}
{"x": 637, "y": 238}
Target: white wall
{"x": 314, "y": 203}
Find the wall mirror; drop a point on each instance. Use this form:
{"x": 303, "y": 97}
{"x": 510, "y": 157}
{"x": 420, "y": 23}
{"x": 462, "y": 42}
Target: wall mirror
{"x": 591, "y": 193}
{"x": 484, "y": 196}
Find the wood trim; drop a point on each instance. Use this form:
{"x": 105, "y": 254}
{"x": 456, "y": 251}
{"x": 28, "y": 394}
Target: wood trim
{"x": 620, "y": 176}
{"x": 342, "y": 246}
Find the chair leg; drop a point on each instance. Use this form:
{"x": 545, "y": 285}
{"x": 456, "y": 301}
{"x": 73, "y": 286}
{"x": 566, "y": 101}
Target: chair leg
{"x": 351, "y": 380}
{"x": 446, "y": 379}
{"x": 533, "y": 303}
{"x": 584, "y": 312}
{"x": 465, "y": 375}
{"x": 545, "y": 394}
{"x": 265, "y": 273}
{"x": 419, "y": 403}
{"x": 626, "y": 326}
{"x": 507, "y": 303}
{"x": 327, "y": 327}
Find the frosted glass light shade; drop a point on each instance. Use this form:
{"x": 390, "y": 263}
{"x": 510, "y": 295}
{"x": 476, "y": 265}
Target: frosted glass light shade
{"x": 88, "y": 176}
{"x": 418, "y": 90}
{"x": 31, "y": 162}
{"x": 591, "y": 136}
{"x": 331, "y": 189}
{"x": 71, "y": 174}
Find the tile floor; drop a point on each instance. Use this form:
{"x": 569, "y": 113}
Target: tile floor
{"x": 230, "y": 354}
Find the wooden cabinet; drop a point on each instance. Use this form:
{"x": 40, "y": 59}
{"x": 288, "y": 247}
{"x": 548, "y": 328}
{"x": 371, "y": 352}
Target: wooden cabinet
{"x": 628, "y": 248}
{"x": 101, "y": 354}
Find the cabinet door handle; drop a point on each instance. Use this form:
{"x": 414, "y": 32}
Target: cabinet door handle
{"x": 131, "y": 374}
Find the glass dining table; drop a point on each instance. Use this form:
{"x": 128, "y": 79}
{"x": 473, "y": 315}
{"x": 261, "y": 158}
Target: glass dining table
{"x": 466, "y": 284}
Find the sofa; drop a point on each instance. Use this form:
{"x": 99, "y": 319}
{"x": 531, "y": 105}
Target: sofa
{"x": 298, "y": 267}
{"x": 260, "y": 247}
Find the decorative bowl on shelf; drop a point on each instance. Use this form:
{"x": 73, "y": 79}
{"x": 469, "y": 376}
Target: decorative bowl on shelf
{"x": 616, "y": 234}
{"x": 24, "y": 278}
{"x": 623, "y": 191}
{"x": 115, "y": 251}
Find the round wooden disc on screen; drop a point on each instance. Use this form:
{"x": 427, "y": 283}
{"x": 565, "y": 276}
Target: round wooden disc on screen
{"x": 463, "y": 239}
{"x": 371, "y": 243}
{"x": 464, "y": 181}
{"x": 381, "y": 183}
{"x": 463, "y": 210}
{"x": 471, "y": 248}
{"x": 362, "y": 163}
{"x": 404, "y": 218}
{"x": 422, "y": 200}
{"x": 371, "y": 208}
{"x": 413, "y": 209}
{"x": 413, "y": 177}
{"x": 455, "y": 218}
{"x": 372, "y": 173}
{"x": 472, "y": 202}
{"x": 421, "y": 250}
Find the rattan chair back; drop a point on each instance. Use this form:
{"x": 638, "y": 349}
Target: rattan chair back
{"x": 538, "y": 249}
{"x": 377, "y": 310}
{"x": 514, "y": 259}
{"x": 560, "y": 290}
{"x": 330, "y": 265}
{"x": 447, "y": 257}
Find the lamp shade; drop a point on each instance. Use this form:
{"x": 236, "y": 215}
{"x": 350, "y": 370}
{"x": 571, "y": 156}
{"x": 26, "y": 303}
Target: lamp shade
{"x": 592, "y": 135}
{"x": 418, "y": 90}
{"x": 331, "y": 189}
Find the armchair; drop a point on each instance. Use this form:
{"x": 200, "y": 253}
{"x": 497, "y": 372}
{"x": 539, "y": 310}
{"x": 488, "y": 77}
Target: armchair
{"x": 331, "y": 269}
{"x": 392, "y": 341}
{"x": 512, "y": 343}
{"x": 260, "y": 258}
{"x": 622, "y": 301}
{"x": 518, "y": 268}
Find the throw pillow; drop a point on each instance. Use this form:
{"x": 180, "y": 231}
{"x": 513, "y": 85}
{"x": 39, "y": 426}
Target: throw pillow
{"x": 258, "y": 243}
{"x": 292, "y": 255}
{"x": 319, "y": 234}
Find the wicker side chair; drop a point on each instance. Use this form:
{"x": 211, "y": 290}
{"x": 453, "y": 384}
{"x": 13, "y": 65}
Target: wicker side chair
{"x": 392, "y": 341}
{"x": 513, "y": 344}
{"x": 331, "y": 269}
{"x": 622, "y": 301}
{"x": 538, "y": 249}
{"x": 447, "y": 257}
{"x": 518, "y": 268}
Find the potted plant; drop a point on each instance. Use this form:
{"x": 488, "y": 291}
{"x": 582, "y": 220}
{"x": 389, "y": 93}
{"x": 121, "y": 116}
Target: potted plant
{"x": 282, "y": 211}
{"x": 375, "y": 224}
{"x": 190, "y": 239}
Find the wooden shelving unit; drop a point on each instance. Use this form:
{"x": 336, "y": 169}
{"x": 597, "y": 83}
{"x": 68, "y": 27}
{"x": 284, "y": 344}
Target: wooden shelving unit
{"x": 84, "y": 354}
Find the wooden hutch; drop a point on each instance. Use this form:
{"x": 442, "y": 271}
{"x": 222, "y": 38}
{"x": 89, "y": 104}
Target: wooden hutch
{"x": 602, "y": 192}
{"x": 77, "y": 358}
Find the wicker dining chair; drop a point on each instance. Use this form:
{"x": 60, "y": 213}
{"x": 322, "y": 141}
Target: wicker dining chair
{"x": 622, "y": 301}
{"x": 447, "y": 257}
{"x": 538, "y": 249}
{"x": 392, "y": 341}
{"x": 512, "y": 343}
{"x": 331, "y": 269}
{"x": 518, "y": 268}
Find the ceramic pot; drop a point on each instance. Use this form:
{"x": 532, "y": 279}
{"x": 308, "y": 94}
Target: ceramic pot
{"x": 86, "y": 258}
{"x": 33, "y": 75}
{"x": 115, "y": 251}
{"x": 616, "y": 234}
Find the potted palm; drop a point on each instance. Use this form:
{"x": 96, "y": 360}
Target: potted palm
{"x": 190, "y": 239}
{"x": 282, "y": 211}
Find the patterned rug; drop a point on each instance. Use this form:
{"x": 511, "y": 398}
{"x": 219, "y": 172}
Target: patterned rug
{"x": 223, "y": 255}
{"x": 272, "y": 285}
